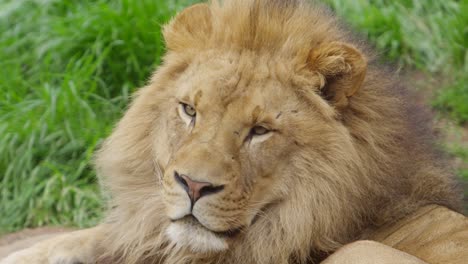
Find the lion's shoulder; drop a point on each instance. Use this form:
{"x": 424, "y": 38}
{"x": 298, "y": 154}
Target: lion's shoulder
{"x": 433, "y": 233}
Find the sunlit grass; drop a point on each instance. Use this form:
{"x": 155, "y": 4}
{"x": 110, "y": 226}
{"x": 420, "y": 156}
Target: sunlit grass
{"x": 67, "y": 70}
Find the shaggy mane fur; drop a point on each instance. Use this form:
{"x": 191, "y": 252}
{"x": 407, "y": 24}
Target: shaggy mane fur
{"x": 393, "y": 169}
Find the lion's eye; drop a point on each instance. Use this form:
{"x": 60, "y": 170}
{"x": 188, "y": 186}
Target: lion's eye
{"x": 189, "y": 110}
{"x": 259, "y": 130}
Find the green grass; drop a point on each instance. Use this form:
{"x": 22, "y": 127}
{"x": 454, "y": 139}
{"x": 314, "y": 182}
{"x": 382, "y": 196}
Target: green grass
{"x": 431, "y": 36}
{"x": 68, "y": 67}
{"x": 453, "y": 100}
{"x": 67, "y": 70}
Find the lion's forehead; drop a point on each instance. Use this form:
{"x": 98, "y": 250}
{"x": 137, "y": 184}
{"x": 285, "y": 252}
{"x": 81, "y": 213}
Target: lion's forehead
{"x": 229, "y": 82}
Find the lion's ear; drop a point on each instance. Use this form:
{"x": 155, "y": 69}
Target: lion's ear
{"x": 190, "y": 28}
{"x": 343, "y": 69}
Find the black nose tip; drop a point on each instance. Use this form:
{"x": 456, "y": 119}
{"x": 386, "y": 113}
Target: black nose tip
{"x": 196, "y": 189}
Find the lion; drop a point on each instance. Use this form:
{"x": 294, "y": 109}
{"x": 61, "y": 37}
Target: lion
{"x": 270, "y": 134}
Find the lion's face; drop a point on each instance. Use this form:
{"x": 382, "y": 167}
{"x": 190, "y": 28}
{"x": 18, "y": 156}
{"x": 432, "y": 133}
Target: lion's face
{"x": 232, "y": 127}
{"x": 246, "y": 142}
{"x": 238, "y": 128}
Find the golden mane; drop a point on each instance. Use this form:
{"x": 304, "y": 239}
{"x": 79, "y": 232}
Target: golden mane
{"x": 289, "y": 27}
{"x": 389, "y": 169}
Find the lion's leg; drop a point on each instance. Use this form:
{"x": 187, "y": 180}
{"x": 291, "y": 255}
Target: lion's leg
{"x": 75, "y": 247}
{"x": 26, "y": 238}
{"x": 370, "y": 252}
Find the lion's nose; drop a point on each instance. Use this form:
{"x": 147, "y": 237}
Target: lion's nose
{"x": 196, "y": 189}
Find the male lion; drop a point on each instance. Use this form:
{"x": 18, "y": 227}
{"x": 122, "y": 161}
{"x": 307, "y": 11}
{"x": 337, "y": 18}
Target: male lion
{"x": 268, "y": 135}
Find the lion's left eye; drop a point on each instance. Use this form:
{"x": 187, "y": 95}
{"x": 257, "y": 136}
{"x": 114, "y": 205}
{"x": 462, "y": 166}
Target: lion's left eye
{"x": 259, "y": 130}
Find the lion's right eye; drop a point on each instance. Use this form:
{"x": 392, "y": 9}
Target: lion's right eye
{"x": 258, "y": 134}
{"x": 259, "y": 130}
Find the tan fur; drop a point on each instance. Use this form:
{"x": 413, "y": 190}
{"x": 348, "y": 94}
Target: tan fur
{"x": 26, "y": 238}
{"x": 433, "y": 233}
{"x": 370, "y": 252}
{"x": 349, "y": 152}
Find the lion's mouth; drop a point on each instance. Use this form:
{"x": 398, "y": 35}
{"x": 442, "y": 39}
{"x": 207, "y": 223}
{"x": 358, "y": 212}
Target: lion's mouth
{"x": 192, "y": 220}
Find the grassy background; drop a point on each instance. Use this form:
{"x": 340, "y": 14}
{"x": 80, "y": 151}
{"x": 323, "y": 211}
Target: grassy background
{"x": 68, "y": 66}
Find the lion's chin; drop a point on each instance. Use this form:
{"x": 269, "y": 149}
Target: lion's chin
{"x": 195, "y": 237}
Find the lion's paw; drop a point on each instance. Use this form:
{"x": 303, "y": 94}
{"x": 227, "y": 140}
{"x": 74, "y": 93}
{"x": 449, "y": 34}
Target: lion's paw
{"x": 72, "y": 248}
{"x": 39, "y": 256}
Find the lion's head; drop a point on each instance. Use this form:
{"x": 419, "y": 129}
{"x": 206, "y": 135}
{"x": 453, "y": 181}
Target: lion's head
{"x": 264, "y": 137}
